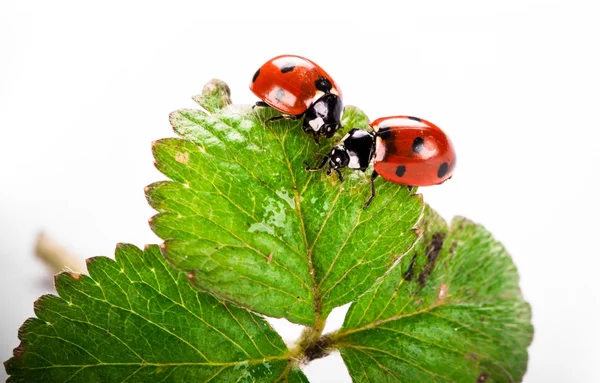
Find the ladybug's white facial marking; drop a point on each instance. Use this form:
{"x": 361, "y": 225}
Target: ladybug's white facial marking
{"x": 316, "y": 123}
{"x": 354, "y": 161}
{"x": 338, "y": 158}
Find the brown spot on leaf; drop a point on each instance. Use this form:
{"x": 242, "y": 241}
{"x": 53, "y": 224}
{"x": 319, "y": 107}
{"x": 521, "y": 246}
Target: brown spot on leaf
{"x": 270, "y": 258}
{"x": 452, "y": 247}
{"x": 433, "y": 251}
{"x": 182, "y": 158}
{"x": 408, "y": 274}
{"x": 443, "y": 292}
{"x": 19, "y": 351}
{"x": 190, "y": 275}
{"x": 471, "y": 356}
{"x": 482, "y": 377}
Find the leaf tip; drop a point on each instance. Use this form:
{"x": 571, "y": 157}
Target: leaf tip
{"x": 18, "y": 352}
{"x": 215, "y": 95}
{"x": 38, "y": 307}
{"x": 75, "y": 275}
{"x": 92, "y": 260}
{"x": 163, "y": 249}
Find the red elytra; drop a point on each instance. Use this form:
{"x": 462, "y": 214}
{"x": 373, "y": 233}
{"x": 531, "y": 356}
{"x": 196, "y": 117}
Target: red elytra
{"x": 289, "y": 84}
{"x": 403, "y": 150}
{"x": 412, "y": 151}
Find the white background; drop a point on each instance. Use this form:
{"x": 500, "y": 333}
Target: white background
{"x": 84, "y": 89}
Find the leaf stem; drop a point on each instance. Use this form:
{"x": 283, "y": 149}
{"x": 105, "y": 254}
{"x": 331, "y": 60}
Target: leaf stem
{"x": 312, "y": 344}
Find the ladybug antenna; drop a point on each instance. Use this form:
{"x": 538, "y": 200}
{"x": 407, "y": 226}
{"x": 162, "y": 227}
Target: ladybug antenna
{"x": 319, "y": 166}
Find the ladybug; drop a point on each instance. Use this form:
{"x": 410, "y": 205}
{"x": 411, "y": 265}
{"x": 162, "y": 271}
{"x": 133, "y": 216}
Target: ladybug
{"x": 404, "y": 150}
{"x": 298, "y": 87}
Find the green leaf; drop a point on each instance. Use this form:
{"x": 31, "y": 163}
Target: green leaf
{"x": 450, "y": 311}
{"x": 138, "y": 320}
{"x": 249, "y": 224}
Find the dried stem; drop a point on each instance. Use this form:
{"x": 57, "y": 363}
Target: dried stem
{"x": 55, "y": 257}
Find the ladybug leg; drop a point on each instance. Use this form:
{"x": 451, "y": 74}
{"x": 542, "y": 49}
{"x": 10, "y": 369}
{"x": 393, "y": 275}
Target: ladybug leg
{"x": 339, "y": 175}
{"x": 373, "y": 176}
{"x": 283, "y": 117}
{"x": 260, "y": 104}
{"x": 316, "y": 137}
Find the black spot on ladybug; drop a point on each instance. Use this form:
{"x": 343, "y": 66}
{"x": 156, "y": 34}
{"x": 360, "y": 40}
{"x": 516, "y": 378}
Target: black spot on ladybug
{"x": 482, "y": 377}
{"x": 280, "y": 94}
{"x": 414, "y": 118}
{"x": 418, "y": 145}
{"x": 384, "y": 133}
{"x": 323, "y": 84}
{"x": 256, "y": 75}
{"x": 442, "y": 170}
{"x": 400, "y": 170}
{"x": 287, "y": 68}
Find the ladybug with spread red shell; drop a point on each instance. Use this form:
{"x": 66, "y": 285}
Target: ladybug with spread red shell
{"x": 298, "y": 87}
{"x": 404, "y": 150}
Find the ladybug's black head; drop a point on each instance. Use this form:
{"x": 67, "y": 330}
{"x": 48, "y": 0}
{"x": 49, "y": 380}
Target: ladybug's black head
{"x": 323, "y": 117}
{"x": 338, "y": 158}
